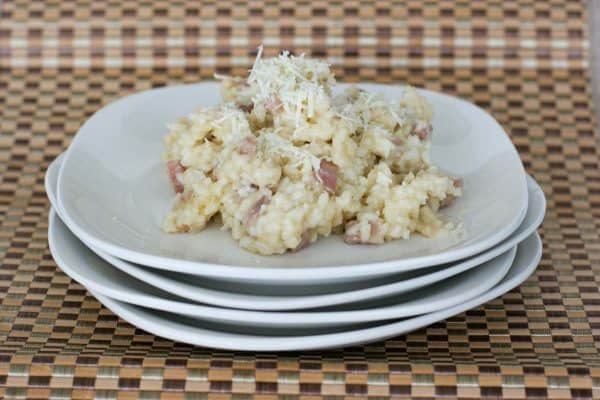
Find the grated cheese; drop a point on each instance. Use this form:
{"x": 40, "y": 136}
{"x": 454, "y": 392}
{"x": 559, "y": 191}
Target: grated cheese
{"x": 357, "y": 107}
{"x": 299, "y": 83}
{"x": 275, "y": 144}
{"x": 235, "y": 117}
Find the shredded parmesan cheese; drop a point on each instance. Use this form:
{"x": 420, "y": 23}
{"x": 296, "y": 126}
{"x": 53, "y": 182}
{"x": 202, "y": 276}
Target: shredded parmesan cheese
{"x": 299, "y": 83}
{"x": 275, "y": 144}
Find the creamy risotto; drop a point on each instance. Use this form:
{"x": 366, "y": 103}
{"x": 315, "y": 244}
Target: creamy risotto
{"x": 283, "y": 162}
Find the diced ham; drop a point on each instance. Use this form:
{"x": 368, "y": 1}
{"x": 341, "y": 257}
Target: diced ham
{"x": 175, "y": 169}
{"x": 185, "y": 228}
{"x": 248, "y": 145}
{"x": 254, "y": 211}
{"x": 422, "y": 130}
{"x": 246, "y": 107}
{"x": 448, "y": 200}
{"x": 352, "y": 234}
{"x": 376, "y": 232}
{"x": 304, "y": 241}
{"x": 273, "y": 103}
{"x": 397, "y": 141}
{"x": 327, "y": 175}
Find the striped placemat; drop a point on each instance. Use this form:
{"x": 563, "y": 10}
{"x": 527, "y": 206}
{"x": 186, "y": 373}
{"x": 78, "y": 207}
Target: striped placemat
{"x": 525, "y": 61}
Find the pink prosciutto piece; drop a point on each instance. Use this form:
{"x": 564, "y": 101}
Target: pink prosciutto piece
{"x": 422, "y": 130}
{"x": 376, "y": 232}
{"x": 304, "y": 241}
{"x": 248, "y": 145}
{"x": 352, "y": 235}
{"x": 449, "y": 199}
{"x": 397, "y": 141}
{"x": 246, "y": 107}
{"x": 254, "y": 211}
{"x": 175, "y": 169}
{"x": 273, "y": 103}
{"x": 327, "y": 175}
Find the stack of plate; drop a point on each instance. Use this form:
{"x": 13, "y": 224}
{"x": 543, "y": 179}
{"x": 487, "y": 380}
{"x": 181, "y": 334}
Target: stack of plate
{"x": 109, "y": 193}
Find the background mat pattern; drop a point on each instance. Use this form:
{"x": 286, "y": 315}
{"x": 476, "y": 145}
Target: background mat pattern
{"x": 525, "y": 61}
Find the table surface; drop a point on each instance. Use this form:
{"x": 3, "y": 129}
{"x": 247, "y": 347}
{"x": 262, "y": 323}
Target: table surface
{"x": 526, "y": 61}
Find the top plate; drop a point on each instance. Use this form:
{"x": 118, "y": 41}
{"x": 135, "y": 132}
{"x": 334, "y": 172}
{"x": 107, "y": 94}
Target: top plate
{"x": 114, "y": 193}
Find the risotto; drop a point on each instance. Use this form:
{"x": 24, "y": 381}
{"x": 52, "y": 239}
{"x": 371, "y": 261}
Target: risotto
{"x": 283, "y": 162}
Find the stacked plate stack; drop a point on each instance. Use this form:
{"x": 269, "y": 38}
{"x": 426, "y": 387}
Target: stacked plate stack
{"x": 109, "y": 193}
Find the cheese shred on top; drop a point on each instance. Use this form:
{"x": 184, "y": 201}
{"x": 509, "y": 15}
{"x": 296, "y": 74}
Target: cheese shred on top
{"x": 298, "y": 82}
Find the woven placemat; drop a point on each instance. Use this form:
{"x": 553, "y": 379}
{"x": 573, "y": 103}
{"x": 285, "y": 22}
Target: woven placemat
{"x": 525, "y": 61}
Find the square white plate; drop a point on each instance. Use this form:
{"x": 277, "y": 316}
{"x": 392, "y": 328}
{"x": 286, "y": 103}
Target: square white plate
{"x": 182, "y": 329}
{"x": 114, "y": 193}
{"x": 292, "y": 297}
{"x": 81, "y": 264}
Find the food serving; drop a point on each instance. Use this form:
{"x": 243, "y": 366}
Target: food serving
{"x": 282, "y": 161}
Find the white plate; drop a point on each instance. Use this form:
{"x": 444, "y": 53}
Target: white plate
{"x": 114, "y": 194}
{"x": 181, "y": 329}
{"x": 79, "y": 262}
{"x": 261, "y": 297}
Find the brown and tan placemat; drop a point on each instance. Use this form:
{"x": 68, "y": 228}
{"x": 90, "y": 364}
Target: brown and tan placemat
{"x": 525, "y": 61}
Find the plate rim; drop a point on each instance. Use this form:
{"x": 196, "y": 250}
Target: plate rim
{"x": 291, "y": 319}
{"x": 275, "y": 274}
{"x": 299, "y": 302}
{"x": 202, "y": 336}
